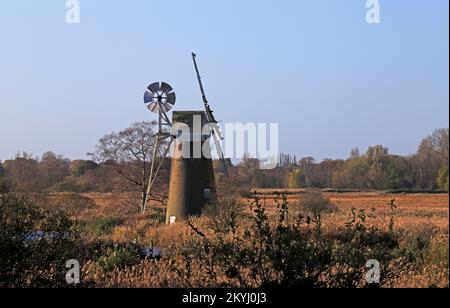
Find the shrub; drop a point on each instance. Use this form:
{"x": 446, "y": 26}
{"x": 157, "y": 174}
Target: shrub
{"x": 278, "y": 251}
{"x": 72, "y": 184}
{"x": 34, "y": 244}
{"x": 355, "y": 244}
{"x": 102, "y": 226}
{"x": 71, "y": 203}
{"x": 157, "y": 214}
{"x": 119, "y": 258}
{"x": 5, "y": 186}
{"x": 438, "y": 253}
{"x": 435, "y": 258}
{"x": 316, "y": 203}
{"x": 224, "y": 214}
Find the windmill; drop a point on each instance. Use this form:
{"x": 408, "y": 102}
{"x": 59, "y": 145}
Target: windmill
{"x": 212, "y": 123}
{"x": 159, "y": 98}
{"x": 192, "y": 183}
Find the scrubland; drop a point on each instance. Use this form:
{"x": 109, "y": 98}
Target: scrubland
{"x": 420, "y": 221}
{"x": 270, "y": 238}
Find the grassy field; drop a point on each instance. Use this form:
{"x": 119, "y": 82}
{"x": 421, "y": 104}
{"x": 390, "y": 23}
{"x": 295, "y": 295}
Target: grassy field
{"x": 418, "y": 218}
{"x": 415, "y": 212}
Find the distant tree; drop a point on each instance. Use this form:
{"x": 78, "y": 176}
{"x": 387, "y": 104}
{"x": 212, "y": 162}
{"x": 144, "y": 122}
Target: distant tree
{"x": 297, "y": 179}
{"x": 325, "y": 170}
{"x": 377, "y": 154}
{"x": 23, "y": 173}
{"x": 26, "y": 155}
{"x": 129, "y": 153}
{"x": 439, "y": 142}
{"x": 52, "y": 169}
{"x": 354, "y": 174}
{"x": 377, "y": 157}
{"x": 80, "y": 167}
{"x": 354, "y": 153}
{"x": 105, "y": 179}
{"x": 442, "y": 178}
{"x": 307, "y": 164}
{"x": 398, "y": 174}
{"x": 287, "y": 160}
{"x": 275, "y": 178}
{"x": 425, "y": 166}
{"x": 249, "y": 170}
{"x": 341, "y": 178}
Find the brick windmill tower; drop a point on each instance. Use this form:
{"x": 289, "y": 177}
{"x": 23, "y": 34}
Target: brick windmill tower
{"x": 192, "y": 184}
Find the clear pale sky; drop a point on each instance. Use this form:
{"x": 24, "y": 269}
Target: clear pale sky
{"x": 329, "y": 79}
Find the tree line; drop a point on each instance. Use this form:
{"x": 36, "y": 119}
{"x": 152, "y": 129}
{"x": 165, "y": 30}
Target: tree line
{"x": 121, "y": 162}
{"x": 375, "y": 169}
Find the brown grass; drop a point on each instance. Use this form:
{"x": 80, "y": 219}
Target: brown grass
{"x": 415, "y": 212}
{"x": 416, "y": 215}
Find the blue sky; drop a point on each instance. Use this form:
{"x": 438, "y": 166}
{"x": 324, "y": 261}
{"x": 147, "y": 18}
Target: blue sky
{"x": 329, "y": 79}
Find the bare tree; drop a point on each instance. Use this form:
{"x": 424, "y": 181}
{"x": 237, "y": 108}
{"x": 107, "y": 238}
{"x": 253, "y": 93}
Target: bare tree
{"x": 355, "y": 154}
{"x": 439, "y": 141}
{"x": 129, "y": 153}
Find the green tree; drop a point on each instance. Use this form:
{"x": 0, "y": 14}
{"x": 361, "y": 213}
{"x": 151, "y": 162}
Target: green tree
{"x": 399, "y": 173}
{"x": 358, "y": 170}
{"x": 297, "y": 179}
{"x": 442, "y": 178}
